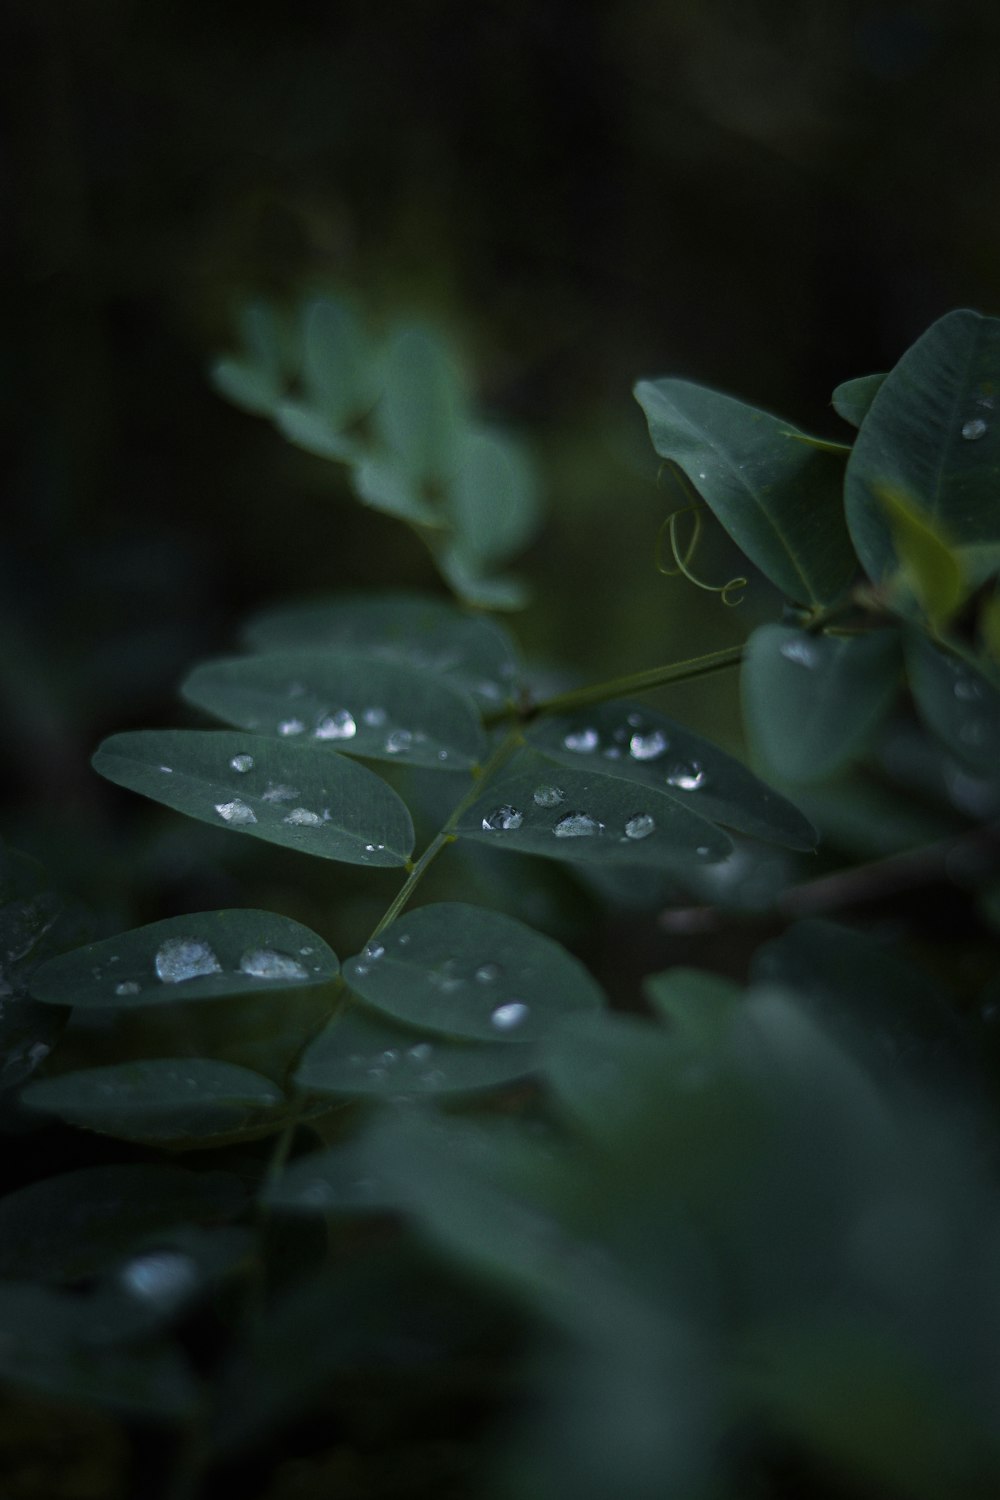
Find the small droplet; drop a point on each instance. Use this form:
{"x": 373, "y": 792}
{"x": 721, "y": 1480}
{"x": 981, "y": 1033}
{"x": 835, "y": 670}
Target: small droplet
{"x": 167, "y": 770}
{"x": 242, "y": 763}
{"x": 301, "y": 817}
{"x": 278, "y": 793}
{"x": 374, "y": 717}
{"x": 687, "y": 776}
{"x": 487, "y": 973}
{"x": 504, "y": 820}
{"x": 398, "y": 741}
{"x": 967, "y": 689}
{"x": 265, "y": 963}
{"x": 582, "y": 740}
{"x": 374, "y": 951}
{"x": 305, "y": 952}
{"x": 404, "y": 938}
{"x": 800, "y": 651}
{"x": 128, "y": 987}
{"x": 235, "y": 812}
{"x": 548, "y": 796}
{"x": 338, "y": 726}
{"x": 183, "y": 958}
{"x": 291, "y": 726}
{"x": 976, "y": 428}
{"x": 640, "y": 826}
{"x": 161, "y": 1277}
{"x": 421, "y": 1052}
{"x": 703, "y": 850}
{"x": 506, "y": 1017}
{"x": 648, "y": 746}
{"x": 577, "y": 825}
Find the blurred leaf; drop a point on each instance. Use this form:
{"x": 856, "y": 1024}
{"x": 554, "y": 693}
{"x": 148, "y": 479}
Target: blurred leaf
{"x": 463, "y": 574}
{"x": 337, "y": 1180}
{"x": 956, "y": 702}
{"x": 361, "y": 1052}
{"x": 645, "y": 747}
{"x": 931, "y": 434}
{"x": 208, "y": 955}
{"x": 853, "y": 398}
{"x": 256, "y": 379}
{"x": 469, "y": 972}
{"x": 416, "y": 629}
{"x": 697, "y": 1005}
{"x": 929, "y": 568}
{"x": 421, "y": 414}
{"x": 812, "y": 703}
{"x": 778, "y": 496}
{"x": 354, "y": 702}
{"x": 314, "y": 432}
{"x": 158, "y": 1099}
{"x": 301, "y": 796}
{"x": 493, "y": 497}
{"x": 338, "y": 361}
{"x": 70, "y": 1226}
{"x": 383, "y": 482}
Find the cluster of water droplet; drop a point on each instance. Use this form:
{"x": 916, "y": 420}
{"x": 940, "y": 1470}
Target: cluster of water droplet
{"x": 449, "y": 976}
{"x": 641, "y": 742}
{"x": 180, "y": 959}
{"x": 342, "y": 725}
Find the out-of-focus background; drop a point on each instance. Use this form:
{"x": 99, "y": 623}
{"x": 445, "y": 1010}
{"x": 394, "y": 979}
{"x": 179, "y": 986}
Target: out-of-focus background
{"x": 765, "y": 197}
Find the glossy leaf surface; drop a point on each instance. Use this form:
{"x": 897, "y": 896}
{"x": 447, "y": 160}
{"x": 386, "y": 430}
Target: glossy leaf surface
{"x": 208, "y": 955}
{"x": 853, "y": 398}
{"x": 813, "y": 702}
{"x": 347, "y": 701}
{"x": 777, "y": 495}
{"x": 957, "y": 702}
{"x": 638, "y": 744}
{"x": 297, "y": 795}
{"x": 469, "y": 972}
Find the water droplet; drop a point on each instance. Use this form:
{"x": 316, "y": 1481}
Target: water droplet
{"x": 800, "y": 651}
{"x": 242, "y": 763}
{"x": 504, "y": 820}
{"x": 301, "y": 817}
{"x": 338, "y": 726}
{"x": 291, "y": 726}
{"x": 374, "y": 717}
{"x": 374, "y": 951}
{"x": 968, "y": 689}
{"x": 433, "y": 1078}
{"x": 278, "y": 793}
{"x": 688, "y": 776}
{"x": 976, "y": 428}
{"x": 183, "y": 958}
{"x": 648, "y": 746}
{"x": 129, "y": 987}
{"x": 398, "y": 741}
{"x": 487, "y": 973}
{"x": 38, "y": 1053}
{"x": 265, "y": 963}
{"x": 167, "y": 770}
{"x": 640, "y": 826}
{"x": 404, "y": 938}
{"x": 305, "y": 951}
{"x": 548, "y": 796}
{"x": 577, "y": 825}
{"x": 703, "y": 850}
{"x": 421, "y": 1052}
{"x": 506, "y": 1017}
{"x": 235, "y": 812}
{"x": 161, "y": 1277}
{"x": 582, "y": 740}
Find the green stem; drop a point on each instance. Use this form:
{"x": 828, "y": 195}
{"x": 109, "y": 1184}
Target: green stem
{"x": 637, "y": 682}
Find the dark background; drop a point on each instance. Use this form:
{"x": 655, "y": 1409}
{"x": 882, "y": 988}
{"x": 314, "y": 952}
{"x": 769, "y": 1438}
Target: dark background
{"x": 765, "y": 197}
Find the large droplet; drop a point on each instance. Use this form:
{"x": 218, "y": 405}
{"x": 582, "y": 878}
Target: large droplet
{"x": 503, "y": 820}
{"x": 548, "y": 796}
{"x": 242, "y": 763}
{"x": 506, "y": 1017}
{"x": 161, "y": 1277}
{"x": 649, "y": 745}
{"x": 582, "y": 740}
{"x": 577, "y": 825}
{"x": 687, "y": 776}
{"x": 183, "y": 958}
{"x": 338, "y": 726}
{"x": 374, "y": 951}
{"x": 398, "y": 741}
{"x": 640, "y": 826}
{"x": 235, "y": 812}
{"x": 976, "y": 428}
{"x": 291, "y": 726}
{"x": 265, "y": 963}
{"x": 301, "y": 817}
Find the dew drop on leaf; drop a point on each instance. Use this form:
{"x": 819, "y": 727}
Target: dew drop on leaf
{"x": 398, "y": 741}
{"x": 374, "y": 717}
{"x": 648, "y": 746}
{"x": 487, "y": 973}
{"x": 338, "y": 726}
{"x": 506, "y": 1017}
{"x": 504, "y": 820}
{"x": 185, "y": 958}
{"x": 640, "y": 826}
{"x": 577, "y": 825}
{"x": 802, "y": 652}
{"x": 548, "y": 796}
{"x": 582, "y": 740}
{"x": 242, "y": 763}
{"x": 127, "y": 987}
{"x": 687, "y": 776}
{"x": 265, "y": 963}
{"x": 235, "y": 812}
{"x": 161, "y": 1277}
{"x": 278, "y": 793}
{"x": 301, "y": 817}
{"x": 976, "y": 428}
{"x": 291, "y": 726}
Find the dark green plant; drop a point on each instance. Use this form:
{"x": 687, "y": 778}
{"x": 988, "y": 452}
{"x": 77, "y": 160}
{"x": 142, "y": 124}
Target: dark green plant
{"x": 742, "y": 1241}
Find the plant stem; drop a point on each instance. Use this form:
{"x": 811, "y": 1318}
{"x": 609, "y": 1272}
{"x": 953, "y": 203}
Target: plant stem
{"x": 636, "y": 682}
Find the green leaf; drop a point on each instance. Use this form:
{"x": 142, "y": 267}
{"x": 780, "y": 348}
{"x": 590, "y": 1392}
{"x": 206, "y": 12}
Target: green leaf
{"x": 493, "y": 497}
{"x": 314, "y": 432}
{"x": 72, "y": 1225}
{"x": 256, "y": 379}
{"x": 361, "y": 1052}
{"x": 421, "y": 414}
{"x": 338, "y": 361}
{"x": 932, "y": 434}
{"x": 537, "y": 806}
{"x": 58, "y": 1343}
{"x": 351, "y": 702}
{"x": 158, "y": 1099}
{"x": 699, "y": 1006}
{"x": 853, "y": 398}
{"x": 417, "y": 629}
{"x": 209, "y": 955}
{"x": 337, "y": 1180}
{"x": 383, "y": 482}
{"x": 956, "y": 701}
{"x": 813, "y": 702}
{"x": 463, "y": 574}
{"x": 640, "y": 745}
{"x": 929, "y": 569}
{"x": 779, "y": 497}
{"x": 470, "y": 972}
{"x": 300, "y": 796}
